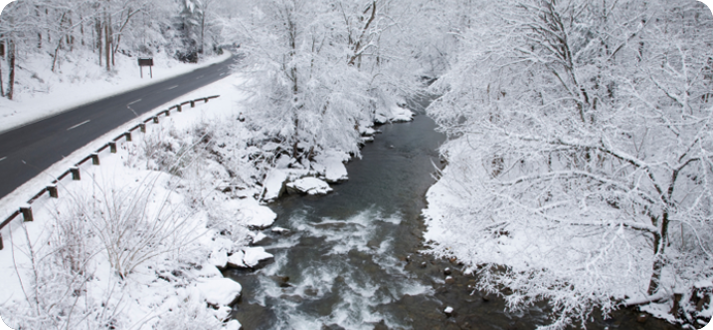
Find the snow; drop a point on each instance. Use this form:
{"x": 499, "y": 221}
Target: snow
{"x": 334, "y": 169}
{"x": 220, "y": 291}
{"x": 219, "y": 258}
{"x": 236, "y": 260}
{"x": 311, "y": 186}
{"x": 78, "y": 83}
{"x": 274, "y": 184}
{"x": 233, "y": 325}
{"x": 448, "y": 310}
{"x": 253, "y": 256}
{"x": 249, "y": 212}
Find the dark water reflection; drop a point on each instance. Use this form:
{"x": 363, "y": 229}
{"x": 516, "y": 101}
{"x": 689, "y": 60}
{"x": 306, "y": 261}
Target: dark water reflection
{"x": 351, "y": 258}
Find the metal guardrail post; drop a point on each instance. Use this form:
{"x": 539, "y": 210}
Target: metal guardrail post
{"x": 26, "y": 213}
{"x": 75, "y": 173}
{"x": 52, "y": 189}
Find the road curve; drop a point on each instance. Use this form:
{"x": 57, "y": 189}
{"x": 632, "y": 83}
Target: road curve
{"x": 27, "y": 151}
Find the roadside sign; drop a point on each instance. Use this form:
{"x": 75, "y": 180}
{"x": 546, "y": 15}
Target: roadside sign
{"x": 148, "y": 61}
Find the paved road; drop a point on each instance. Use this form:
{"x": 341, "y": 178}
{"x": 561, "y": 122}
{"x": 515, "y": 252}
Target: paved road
{"x": 27, "y": 151}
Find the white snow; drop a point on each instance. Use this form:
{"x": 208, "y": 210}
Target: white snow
{"x": 249, "y": 212}
{"x": 311, "y": 186}
{"x": 274, "y": 184}
{"x": 334, "y": 169}
{"x": 219, "y": 291}
{"x": 253, "y": 256}
{"x": 448, "y": 310}
{"x": 233, "y": 325}
{"x": 219, "y": 258}
{"x": 236, "y": 260}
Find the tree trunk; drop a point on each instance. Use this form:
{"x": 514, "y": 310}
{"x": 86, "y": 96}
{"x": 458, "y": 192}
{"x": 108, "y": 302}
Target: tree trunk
{"x": 2, "y": 88}
{"x": 98, "y": 27}
{"x": 107, "y": 50}
{"x": 200, "y": 50}
{"x": 659, "y": 247}
{"x": 11, "y": 79}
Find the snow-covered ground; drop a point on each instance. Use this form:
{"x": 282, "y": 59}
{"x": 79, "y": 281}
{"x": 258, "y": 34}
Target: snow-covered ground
{"x": 41, "y": 93}
{"x": 189, "y": 196}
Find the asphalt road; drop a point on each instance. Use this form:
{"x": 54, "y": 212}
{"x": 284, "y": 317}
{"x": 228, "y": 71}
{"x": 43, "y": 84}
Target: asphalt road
{"x": 27, "y": 151}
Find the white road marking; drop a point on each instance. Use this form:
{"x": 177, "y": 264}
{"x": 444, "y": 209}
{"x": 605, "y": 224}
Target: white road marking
{"x": 80, "y": 124}
{"x": 199, "y": 77}
{"x": 137, "y": 101}
{"x": 172, "y": 87}
{"x": 1, "y": 159}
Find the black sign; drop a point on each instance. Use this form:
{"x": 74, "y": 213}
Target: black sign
{"x": 146, "y": 62}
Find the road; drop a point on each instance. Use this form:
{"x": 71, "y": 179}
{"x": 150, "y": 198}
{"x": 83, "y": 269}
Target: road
{"x": 27, "y": 151}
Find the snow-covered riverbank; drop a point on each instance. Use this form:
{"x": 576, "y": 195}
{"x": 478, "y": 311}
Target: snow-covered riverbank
{"x": 140, "y": 242}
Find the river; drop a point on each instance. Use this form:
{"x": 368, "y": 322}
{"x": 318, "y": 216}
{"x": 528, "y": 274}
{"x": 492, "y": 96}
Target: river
{"x": 350, "y": 259}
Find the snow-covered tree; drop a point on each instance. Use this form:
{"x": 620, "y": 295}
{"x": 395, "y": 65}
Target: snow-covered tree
{"x": 580, "y": 151}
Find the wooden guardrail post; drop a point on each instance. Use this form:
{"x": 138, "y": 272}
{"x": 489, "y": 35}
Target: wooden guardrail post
{"x": 142, "y": 126}
{"x": 26, "y": 213}
{"x": 168, "y": 113}
{"x": 193, "y": 104}
{"x": 52, "y": 189}
{"x": 112, "y": 147}
{"x": 75, "y": 173}
{"x": 155, "y": 119}
{"x": 95, "y": 159}
{"x": 128, "y": 136}
{"x": 1, "y": 245}
{"x": 178, "y": 107}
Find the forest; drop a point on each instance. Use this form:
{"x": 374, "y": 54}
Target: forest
{"x": 579, "y": 151}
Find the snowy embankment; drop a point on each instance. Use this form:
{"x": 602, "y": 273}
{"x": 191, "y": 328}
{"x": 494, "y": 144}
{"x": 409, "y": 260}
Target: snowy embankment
{"x": 140, "y": 241}
{"x": 571, "y": 269}
{"x": 41, "y": 93}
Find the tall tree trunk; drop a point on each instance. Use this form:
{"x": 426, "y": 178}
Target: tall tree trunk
{"x": 2, "y": 87}
{"x": 659, "y": 247}
{"x": 107, "y": 50}
{"x": 98, "y": 27}
{"x": 11, "y": 79}
{"x": 200, "y": 50}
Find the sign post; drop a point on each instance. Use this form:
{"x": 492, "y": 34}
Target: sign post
{"x": 146, "y": 62}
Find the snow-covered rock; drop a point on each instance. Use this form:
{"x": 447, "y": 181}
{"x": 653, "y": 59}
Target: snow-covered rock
{"x": 399, "y": 114}
{"x": 309, "y": 185}
{"x": 274, "y": 184}
{"x": 219, "y": 258}
{"x": 219, "y": 291}
{"x": 280, "y": 230}
{"x": 257, "y": 237}
{"x": 334, "y": 169}
{"x": 253, "y": 256}
{"x": 236, "y": 260}
{"x": 248, "y": 212}
{"x": 233, "y": 325}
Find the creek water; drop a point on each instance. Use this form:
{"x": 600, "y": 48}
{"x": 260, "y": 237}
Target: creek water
{"x": 351, "y": 258}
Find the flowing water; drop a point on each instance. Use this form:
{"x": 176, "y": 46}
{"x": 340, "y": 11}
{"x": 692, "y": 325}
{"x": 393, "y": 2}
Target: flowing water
{"x": 350, "y": 259}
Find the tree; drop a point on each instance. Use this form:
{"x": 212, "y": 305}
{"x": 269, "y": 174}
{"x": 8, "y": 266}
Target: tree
{"x": 579, "y": 133}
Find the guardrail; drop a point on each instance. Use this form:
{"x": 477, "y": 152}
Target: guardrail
{"x": 26, "y": 210}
